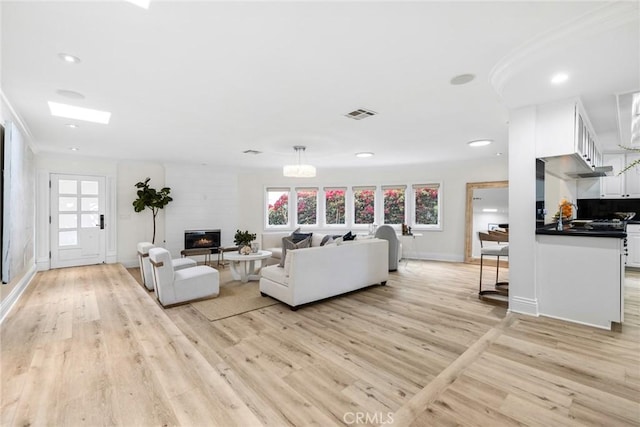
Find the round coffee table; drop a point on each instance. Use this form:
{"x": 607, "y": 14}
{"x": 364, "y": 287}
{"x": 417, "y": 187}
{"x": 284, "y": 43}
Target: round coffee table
{"x": 243, "y": 267}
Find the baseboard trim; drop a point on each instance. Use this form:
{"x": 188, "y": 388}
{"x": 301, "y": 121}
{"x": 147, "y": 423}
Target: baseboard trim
{"x": 7, "y": 304}
{"x": 523, "y": 306}
{"x": 432, "y": 256}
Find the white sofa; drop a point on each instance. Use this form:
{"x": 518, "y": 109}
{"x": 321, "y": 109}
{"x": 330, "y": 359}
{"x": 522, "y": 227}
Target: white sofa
{"x": 316, "y": 273}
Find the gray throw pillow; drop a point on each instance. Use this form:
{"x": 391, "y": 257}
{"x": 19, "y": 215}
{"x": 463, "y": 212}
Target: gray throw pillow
{"x": 326, "y": 239}
{"x": 288, "y": 245}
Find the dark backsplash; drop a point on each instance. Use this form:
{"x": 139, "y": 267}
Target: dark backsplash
{"x": 605, "y": 208}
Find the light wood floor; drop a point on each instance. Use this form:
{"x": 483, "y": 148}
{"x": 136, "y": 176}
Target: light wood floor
{"x": 89, "y": 346}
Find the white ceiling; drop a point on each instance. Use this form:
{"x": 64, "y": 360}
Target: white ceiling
{"x": 203, "y": 81}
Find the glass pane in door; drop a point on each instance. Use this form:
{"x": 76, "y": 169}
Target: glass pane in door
{"x": 67, "y": 186}
{"x": 67, "y": 204}
{"x": 90, "y": 204}
{"x": 89, "y": 188}
{"x": 67, "y": 221}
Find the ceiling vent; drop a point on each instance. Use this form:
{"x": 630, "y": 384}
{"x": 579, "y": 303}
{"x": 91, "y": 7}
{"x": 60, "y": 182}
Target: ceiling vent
{"x": 360, "y": 114}
{"x": 252, "y": 152}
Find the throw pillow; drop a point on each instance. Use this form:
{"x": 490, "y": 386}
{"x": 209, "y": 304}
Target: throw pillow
{"x": 326, "y": 239}
{"x": 289, "y": 245}
{"x": 298, "y": 237}
{"x": 349, "y": 236}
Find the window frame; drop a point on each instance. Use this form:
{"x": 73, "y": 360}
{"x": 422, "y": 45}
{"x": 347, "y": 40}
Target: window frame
{"x": 268, "y": 226}
{"x": 405, "y": 207}
{"x": 376, "y": 205}
{"x": 426, "y": 227}
{"x": 350, "y": 199}
{"x": 295, "y": 205}
{"x": 346, "y": 206}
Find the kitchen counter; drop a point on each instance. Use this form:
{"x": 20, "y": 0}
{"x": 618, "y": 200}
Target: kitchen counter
{"x": 580, "y": 231}
{"x": 580, "y": 275}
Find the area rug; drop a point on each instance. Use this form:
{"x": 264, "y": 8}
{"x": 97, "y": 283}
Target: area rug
{"x": 234, "y": 298}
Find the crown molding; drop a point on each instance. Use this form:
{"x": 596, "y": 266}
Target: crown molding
{"x": 597, "y": 21}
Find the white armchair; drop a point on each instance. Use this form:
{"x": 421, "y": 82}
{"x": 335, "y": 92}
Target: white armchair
{"x": 174, "y": 287}
{"x": 146, "y": 271}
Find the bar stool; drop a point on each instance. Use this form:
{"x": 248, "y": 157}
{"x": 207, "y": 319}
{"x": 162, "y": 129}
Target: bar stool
{"x": 500, "y": 288}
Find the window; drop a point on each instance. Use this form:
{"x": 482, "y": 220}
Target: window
{"x": 427, "y": 204}
{"x": 393, "y": 202}
{"x": 277, "y": 207}
{"x": 334, "y": 206}
{"x": 307, "y": 209}
{"x": 417, "y": 205}
{"x": 364, "y": 205}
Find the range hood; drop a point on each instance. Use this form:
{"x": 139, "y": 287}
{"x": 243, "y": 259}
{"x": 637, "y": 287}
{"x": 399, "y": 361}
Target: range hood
{"x": 597, "y": 172}
{"x": 574, "y": 167}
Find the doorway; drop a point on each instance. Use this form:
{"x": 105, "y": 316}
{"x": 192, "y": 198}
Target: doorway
{"x": 77, "y": 220}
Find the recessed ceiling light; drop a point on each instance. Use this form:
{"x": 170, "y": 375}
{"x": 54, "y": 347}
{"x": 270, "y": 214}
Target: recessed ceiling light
{"x": 142, "y": 3}
{"x": 69, "y": 58}
{"x": 74, "y": 149}
{"x": 489, "y": 210}
{"x": 70, "y": 94}
{"x": 364, "y": 154}
{"x": 479, "y": 143}
{"x": 559, "y": 78}
{"x": 78, "y": 113}
{"x": 71, "y": 125}
{"x": 462, "y": 79}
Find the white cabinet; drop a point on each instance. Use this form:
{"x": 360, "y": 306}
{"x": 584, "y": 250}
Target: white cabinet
{"x": 617, "y": 186}
{"x": 580, "y": 279}
{"x": 633, "y": 245}
{"x": 565, "y": 139}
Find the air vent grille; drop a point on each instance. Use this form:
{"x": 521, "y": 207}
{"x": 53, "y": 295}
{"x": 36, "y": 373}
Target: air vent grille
{"x": 360, "y": 114}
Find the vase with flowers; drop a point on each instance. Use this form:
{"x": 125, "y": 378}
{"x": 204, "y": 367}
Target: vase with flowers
{"x": 243, "y": 240}
{"x": 565, "y": 213}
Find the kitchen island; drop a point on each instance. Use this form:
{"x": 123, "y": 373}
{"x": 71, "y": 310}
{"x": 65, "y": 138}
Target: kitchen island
{"x": 580, "y": 275}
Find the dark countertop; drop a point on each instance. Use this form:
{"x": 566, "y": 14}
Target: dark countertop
{"x": 582, "y": 232}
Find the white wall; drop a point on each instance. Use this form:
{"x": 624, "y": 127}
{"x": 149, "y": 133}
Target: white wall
{"x": 522, "y": 210}
{"x": 21, "y": 203}
{"x": 204, "y": 197}
{"x": 134, "y": 227}
{"x": 19, "y": 206}
{"x": 447, "y": 244}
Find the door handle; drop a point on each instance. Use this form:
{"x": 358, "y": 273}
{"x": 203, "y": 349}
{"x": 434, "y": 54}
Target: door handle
{"x": 101, "y": 221}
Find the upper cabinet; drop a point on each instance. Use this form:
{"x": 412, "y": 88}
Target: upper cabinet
{"x": 565, "y": 139}
{"x": 626, "y": 185}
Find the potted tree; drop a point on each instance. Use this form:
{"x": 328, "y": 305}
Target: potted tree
{"x": 243, "y": 240}
{"x": 153, "y": 199}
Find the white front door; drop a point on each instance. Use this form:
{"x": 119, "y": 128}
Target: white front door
{"x": 77, "y": 220}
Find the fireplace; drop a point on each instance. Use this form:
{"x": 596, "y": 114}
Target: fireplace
{"x": 201, "y": 239}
